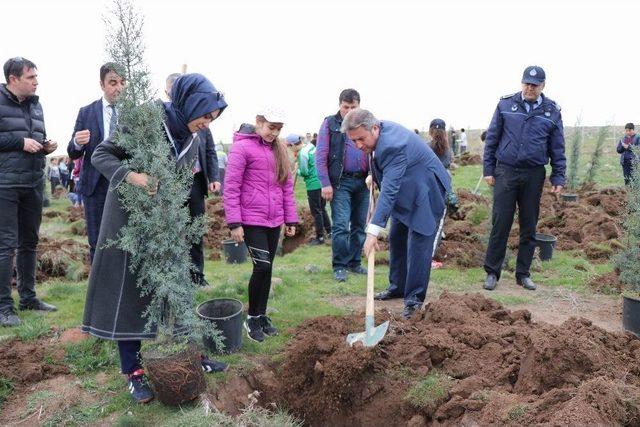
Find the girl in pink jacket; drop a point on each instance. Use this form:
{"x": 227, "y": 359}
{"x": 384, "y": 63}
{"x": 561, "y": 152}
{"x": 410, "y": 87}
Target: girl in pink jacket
{"x": 258, "y": 199}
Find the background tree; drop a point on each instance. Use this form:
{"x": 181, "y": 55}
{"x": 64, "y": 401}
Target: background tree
{"x": 596, "y": 157}
{"x": 574, "y": 154}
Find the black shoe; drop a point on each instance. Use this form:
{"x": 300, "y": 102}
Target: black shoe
{"x": 267, "y": 326}
{"x": 385, "y": 295}
{"x": 138, "y": 387}
{"x": 9, "y": 318}
{"x": 358, "y": 269}
{"x": 340, "y": 275}
{"x": 253, "y": 325}
{"x": 203, "y": 282}
{"x": 209, "y": 365}
{"x": 316, "y": 241}
{"x": 36, "y": 304}
{"x": 526, "y": 283}
{"x": 491, "y": 282}
{"x": 409, "y": 310}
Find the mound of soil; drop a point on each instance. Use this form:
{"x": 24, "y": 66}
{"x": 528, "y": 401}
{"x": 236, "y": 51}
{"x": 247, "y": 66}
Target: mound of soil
{"x": 498, "y": 368}
{"x": 607, "y": 283}
{"x": 24, "y": 362}
{"x": 593, "y": 224}
{"x": 62, "y": 258}
{"x": 463, "y": 244}
{"x": 468, "y": 158}
{"x": 217, "y": 230}
{"x": 75, "y": 213}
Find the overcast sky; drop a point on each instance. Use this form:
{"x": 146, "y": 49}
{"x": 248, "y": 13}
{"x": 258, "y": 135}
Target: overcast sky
{"x": 410, "y": 61}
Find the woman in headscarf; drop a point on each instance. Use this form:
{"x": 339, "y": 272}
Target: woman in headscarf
{"x": 114, "y": 307}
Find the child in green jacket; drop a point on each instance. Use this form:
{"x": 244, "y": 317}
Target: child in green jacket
{"x": 305, "y": 160}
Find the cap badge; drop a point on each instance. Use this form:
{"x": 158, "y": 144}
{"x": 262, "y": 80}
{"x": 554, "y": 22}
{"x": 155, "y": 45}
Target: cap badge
{"x": 514, "y": 107}
{"x": 533, "y": 72}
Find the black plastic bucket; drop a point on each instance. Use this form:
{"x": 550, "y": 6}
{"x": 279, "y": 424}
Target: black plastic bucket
{"x": 569, "y": 197}
{"x": 234, "y": 253}
{"x": 631, "y": 314}
{"x": 545, "y": 242}
{"x": 226, "y": 315}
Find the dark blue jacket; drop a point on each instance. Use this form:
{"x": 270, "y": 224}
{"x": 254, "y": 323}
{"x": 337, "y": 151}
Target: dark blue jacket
{"x": 89, "y": 118}
{"x": 524, "y": 140}
{"x": 337, "y": 147}
{"x": 412, "y": 180}
{"x": 626, "y": 154}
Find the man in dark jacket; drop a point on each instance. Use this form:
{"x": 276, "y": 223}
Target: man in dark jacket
{"x": 525, "y": 133}
{"x": 342, "y": 170}
{"x": 206, "y": 179}
{"x": 625, "y": 148}
{"x": 23, "y": 146}
{"x": 94, "y": 124}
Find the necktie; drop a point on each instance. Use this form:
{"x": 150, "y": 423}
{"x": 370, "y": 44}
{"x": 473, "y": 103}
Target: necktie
{"x": 114, "y": 119}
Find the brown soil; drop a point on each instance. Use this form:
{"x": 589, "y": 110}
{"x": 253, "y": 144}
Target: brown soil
{"x": 468, "y": 158}
{"x": 607, "y": 283}
{"x": 24, "y": 362}
{"x": 592, "y": 224}
{"x": 75, "y": 213}
{"x": 217, "y": 230}
{"x": 502, "y": 369}
{"x": 55, "y": 257}
{"x": 59, "y": 192}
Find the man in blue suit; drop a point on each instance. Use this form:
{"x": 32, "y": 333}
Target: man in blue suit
{"x": 206, "y": 179}
{"x": 413, "y": 184}
{"x": 94, "y": 124}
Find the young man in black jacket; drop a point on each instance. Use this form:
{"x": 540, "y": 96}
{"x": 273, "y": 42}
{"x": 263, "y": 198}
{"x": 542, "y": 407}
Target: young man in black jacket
{"x": 23, "y": 147}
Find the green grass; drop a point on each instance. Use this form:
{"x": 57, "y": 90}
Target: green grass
{"x": 6, "y": 387}
{"x": 430, "y": 391}
{"x": 512, "y": 299}
{"x": 32, "y": 328}
{"x": 516, "y": 412}
{"x": 91, "y": 355}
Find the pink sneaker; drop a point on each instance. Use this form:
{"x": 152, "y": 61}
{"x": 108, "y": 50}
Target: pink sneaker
{"x": 435, "y": 265}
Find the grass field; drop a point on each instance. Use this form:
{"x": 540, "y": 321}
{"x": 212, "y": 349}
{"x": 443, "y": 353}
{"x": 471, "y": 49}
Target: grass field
{"x": 301, "y": 296}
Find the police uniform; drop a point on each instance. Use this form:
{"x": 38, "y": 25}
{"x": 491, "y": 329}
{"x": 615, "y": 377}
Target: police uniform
{"x": 521, "y": 139}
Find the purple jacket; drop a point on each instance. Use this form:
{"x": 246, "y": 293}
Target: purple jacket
{"x": 252, "y": 194}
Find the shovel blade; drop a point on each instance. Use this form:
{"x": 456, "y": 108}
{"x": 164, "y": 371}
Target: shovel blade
{"x": 370, "y": 337}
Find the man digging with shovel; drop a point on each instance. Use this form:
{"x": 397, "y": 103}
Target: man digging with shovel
{"x": 413, "y": 186}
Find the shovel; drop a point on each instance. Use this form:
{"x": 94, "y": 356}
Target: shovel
{"x": 372, "y": 335}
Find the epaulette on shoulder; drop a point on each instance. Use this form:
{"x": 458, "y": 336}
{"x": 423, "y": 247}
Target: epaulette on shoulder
{"x": 508, "y": 96}
{"x": 554, "y": 103}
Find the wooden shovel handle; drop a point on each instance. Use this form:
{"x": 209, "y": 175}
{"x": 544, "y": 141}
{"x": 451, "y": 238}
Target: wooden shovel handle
{"x": 370, "y": 281}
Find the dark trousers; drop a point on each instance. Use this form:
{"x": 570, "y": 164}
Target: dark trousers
{"x": 521, "y": 187}
{"x": 317, "y": 205}
{"x": 64, "y": 180}
{"x": 410, "y": 255}
{"x": 627, "y": 171}
{"x": 349, "y": 216}
{"x": 93, "y": 208}
{"x": 262, "y": 243}
{"x": 54, "y": 183}
{"x": 130, "y": 360}
{"x": 221, "y": 171}
{"x": 197, "y": 208}
{"x": 20, "y": 216}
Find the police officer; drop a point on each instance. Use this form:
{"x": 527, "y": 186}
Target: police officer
{"x": 525, "y": 133}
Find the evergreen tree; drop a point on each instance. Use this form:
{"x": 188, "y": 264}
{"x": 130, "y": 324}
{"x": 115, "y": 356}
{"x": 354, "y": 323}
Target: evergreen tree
{"x": 628, "y": 261}
{"x": 596, "y": 157}
{"x": 574, "y": 156}
{"x": 159, "y": 232}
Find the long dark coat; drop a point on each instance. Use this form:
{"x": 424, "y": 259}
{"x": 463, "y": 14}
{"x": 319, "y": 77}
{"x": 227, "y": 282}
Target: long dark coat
{"x": 114, "y": 307}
